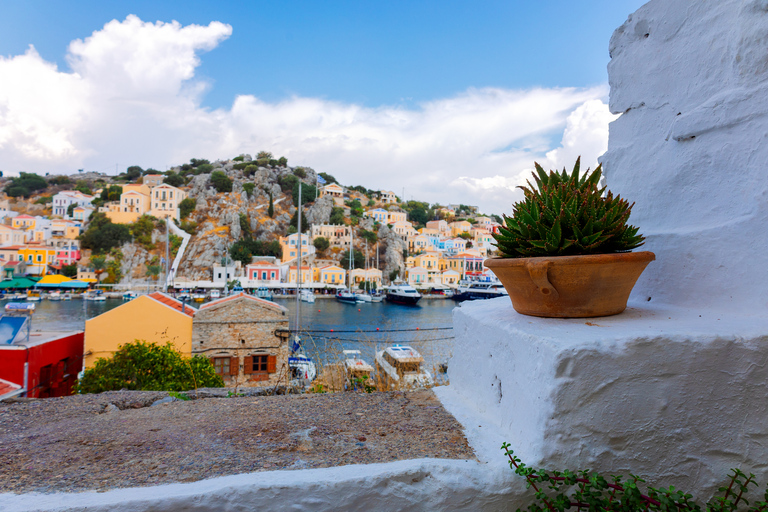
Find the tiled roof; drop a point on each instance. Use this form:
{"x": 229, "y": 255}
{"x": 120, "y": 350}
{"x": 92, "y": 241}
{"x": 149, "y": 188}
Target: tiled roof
{"x": 175, "y": 304}
{"x": 238, "y": 296}
{"x": 7, "y": 388}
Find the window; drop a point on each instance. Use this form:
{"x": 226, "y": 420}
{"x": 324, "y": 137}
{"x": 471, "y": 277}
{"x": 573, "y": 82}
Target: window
{"x": 259, "y": 364}
{"x": 221, "y": 365}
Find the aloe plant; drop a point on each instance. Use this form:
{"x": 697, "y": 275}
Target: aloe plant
{"x": 567, "y": 214}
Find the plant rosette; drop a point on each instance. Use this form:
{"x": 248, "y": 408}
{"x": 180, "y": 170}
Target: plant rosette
{"x": 565, "y": 250}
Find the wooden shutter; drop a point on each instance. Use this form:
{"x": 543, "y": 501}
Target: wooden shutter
{"x": 271, "y": 364}
{"x": 234, "y": 365}
{"x": 248, "y": 364}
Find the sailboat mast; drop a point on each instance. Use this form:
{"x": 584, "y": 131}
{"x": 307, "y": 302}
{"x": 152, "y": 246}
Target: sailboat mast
{"x": 298, "y": 265}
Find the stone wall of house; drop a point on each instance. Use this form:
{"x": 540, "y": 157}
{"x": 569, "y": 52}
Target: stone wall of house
{"x": 242, "y": 328}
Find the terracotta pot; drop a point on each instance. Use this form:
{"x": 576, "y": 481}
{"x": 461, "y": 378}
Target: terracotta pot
{"x": 571, "y": 286}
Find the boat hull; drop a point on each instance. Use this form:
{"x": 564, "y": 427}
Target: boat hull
{"x": 404, "y": 300}
{"x": 476, "y": 295}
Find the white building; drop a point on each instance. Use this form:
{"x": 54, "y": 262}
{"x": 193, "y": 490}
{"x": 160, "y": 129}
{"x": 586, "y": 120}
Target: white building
{"x": 62, "y": 200}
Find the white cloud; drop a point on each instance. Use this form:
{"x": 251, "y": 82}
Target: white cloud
{"x": 132, "y": 98}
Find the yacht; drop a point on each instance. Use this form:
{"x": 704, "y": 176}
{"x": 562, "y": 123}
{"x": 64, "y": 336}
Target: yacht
{"x": 403, "y": 294}
{"x": 479, "y": 291}
{"x": 363, "y": 297}
{"x": 129, "y": 295}
{"x": 399, "y": 367}
{"x": 55, "y": 295}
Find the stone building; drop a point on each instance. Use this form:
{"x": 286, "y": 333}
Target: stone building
{"x": 240, "y": 335}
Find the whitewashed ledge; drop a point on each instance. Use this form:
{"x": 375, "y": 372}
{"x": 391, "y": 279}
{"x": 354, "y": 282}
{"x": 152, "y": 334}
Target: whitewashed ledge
{"x": 678, "y": 396}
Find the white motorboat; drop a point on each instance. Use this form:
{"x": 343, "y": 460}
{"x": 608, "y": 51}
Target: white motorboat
{"x": 129, "y": 295}
{"x": 403, "y": 294}
{"x": 358, "y": 372}
{"x": 56, "y": 295}
{"x": 346, "y": 297}
{"x": 375, "y": 297}
{"x": 363, "y": 298}
{"x": 214, "y": 294}
{"x": 307, "y": 296}
{"x": 479, "y": 291}
{"x": 399, "y": 366}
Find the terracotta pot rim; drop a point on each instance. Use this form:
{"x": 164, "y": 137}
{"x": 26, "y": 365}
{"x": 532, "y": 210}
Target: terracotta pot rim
{"x": 585, "y": 259}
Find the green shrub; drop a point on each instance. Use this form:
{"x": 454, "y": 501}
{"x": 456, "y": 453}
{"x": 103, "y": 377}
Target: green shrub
{"x": 240, "y": 166}
{"x": 186, "y": 206}
{"x": 337, "y": 216}
{"x": 221, "y": 182}
{"x": 203, "y": 169}
{"x": 321, "y": 244}
{"x": 238, "y": 158}
{"x": 282, "y": 161}
{"x": 264, "y": 155}
{"x": 44, "y": 200}
{"x": 149, "y": 367}
{"x": 102, "y": 234}
{"x": 250, "y": 170}
{"x": 287, "y": 182}
{"x": 25, "y": 185}
{"x": 300, "y": 172}
{"x": 244, "y": 249}
{"x": 173, "y": 179}
{"x": 248, "y": 187}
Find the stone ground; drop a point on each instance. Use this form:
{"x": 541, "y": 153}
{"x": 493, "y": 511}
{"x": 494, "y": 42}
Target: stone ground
{"x": 117, "y": 439}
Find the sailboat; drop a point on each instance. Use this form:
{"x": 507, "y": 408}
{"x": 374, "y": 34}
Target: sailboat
{"x": 363, "y": 297}
{"x": 303, "y": 369}
{"x": 348, "y": 296}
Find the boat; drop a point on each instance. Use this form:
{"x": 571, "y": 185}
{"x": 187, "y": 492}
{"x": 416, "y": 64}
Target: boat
{"x": 265, "y": 293}
{"x": 33, "y": 296}
{"x": 184, "y": 296}
{"x": 307, "y": 296}
{"x": 358, "y": 372}
{"x": 346, "y": 297}
{"x": 363, "y": 298}
{"x": 198, "y": 295}
{"x": 214, "y": 294}
{"x": 479, "y": 291}
{"x": 95, "y": 296}
{"x": 129, "y": 295}
{"x": 237, "y": 289}
{"x": 376, "y": 297}
{"x": 66, "y": 296}
{"x": 403, "y": 294}
{"x": 399, "y": 367}
{"x": 56, "y": 295}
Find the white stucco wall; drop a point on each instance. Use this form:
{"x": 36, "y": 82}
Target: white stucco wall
{"x": 674, "y": 395}
{"x": 690, "y": 79}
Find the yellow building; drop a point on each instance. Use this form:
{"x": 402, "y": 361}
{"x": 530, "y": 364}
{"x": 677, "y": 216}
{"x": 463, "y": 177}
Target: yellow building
{"x": 306, "y": 275}
{"x": 335, "y": 191}
{"x": 64, "y": 229}
{"x": 331, "y": 274}
{"x": 154, "y": 318}
{"x": 165, "y": 201}
{"x": 289, "y": 244}
{"x": 37, "y": 254}
{"x": 459, "y": 227}
{"x": 23, "y": 222}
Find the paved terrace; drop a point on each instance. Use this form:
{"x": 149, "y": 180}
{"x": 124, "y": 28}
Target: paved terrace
{"x": 117, "y": 439}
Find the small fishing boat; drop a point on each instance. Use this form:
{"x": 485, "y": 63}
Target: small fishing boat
{"x": 363, "y": 298}
{"x": 56, "y": 295}
{"x": 184, "y": 296}
{"x": 66, "y": 296}
{"x": 95, "y": 296}
{"x": 307, "y": 296}
{"x": 376, "y": 297}
{"x": 214, "y": 294}
{"x": 403, "y": 294}
{"x": 399, "y": 366}
{"x": 130, "y": 295}
{"x": 198, "y": 295}
{"x": 33, "y": 296}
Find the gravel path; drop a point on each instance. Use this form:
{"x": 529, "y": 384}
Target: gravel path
{"x": 110, "y": 440}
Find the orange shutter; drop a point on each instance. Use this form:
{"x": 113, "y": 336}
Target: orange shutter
{"x": 248, "y": 364}
{"x": 271, "y": 364}
{"x": 234, "y": 365}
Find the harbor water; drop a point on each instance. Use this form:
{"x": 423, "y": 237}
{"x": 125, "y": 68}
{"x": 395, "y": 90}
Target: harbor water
{"x": 327, "y": 327}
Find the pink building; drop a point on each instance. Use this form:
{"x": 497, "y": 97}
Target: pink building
{"x": 263, "y": 271}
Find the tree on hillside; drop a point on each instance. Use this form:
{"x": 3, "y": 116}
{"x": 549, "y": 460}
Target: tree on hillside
{"x": 69, "y": 270}
{"x": 221, "y": 182}
{"x": 282, "y": 162}
{"x": 99, "y": 264}
{"x": 111, "y": 193}
{"x": 308, "y": 193}
{"x": 25, "y": 185}
{"x": 321, "y": 244}
{"x": 328, "y": 178}
{"x": 82, "y": 186}
{"x": 287, "y": 182}
{"x": 358, "y": 259}
{"x": 186, "y": 206}
{"x": 271, "y": 208}
{"x": 102, "y": 234}
{"x": 337, "y": 216}
{"x": 245, "y": 226}
{"x": 173, "y": 179}
{"x": 262, "y": 155}
{"x": 300, "y": 172}
{"x": 370, "y": 236}
{"x": 295, "y": 222}
{"x": 244, "y": 249}
{"x": 133, "y": 173}
{"x": 71, "y": 210}
{"x": 149, "y": 367}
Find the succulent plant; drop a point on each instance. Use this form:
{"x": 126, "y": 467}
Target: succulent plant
{"x": 565, "y": 215}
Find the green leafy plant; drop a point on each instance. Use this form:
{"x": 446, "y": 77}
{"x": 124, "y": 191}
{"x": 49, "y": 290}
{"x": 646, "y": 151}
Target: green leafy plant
{"x": 179, "y": 396}
{"x": 150, "y": 367}
{"x": 567, "y": 214}
{"x": 588, "y": 490}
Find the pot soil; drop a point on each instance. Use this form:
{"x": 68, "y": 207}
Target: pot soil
{"x": 571, "y": 286}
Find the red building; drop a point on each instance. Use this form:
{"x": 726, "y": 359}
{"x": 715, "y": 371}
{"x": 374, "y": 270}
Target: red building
{"x": 44, "y": 364}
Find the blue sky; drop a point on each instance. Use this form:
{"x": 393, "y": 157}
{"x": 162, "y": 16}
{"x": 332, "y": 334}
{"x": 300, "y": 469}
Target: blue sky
{"x": 364, "y": 63}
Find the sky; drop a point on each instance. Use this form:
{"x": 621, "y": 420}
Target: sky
{"x": 445, "y": 102}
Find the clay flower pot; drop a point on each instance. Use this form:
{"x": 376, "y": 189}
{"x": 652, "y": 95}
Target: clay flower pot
{"x": 571, "y": 286}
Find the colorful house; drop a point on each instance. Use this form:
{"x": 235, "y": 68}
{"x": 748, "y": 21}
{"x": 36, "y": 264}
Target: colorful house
{"x": 331, "y": 274}
{"x": 387, "y": 196}
{"x": 37, "y": 257}
{"x": 335, "y": 191}
{"x": 306, "y": 275}
{"x": 165, "y": 201}
{"x": 10, "y": 235}
{"x": 63, "y": 200}
{"x": 264, "y": 272}
{"x": 290, "y": 243}
{"x": 156, "y": 318}
{"x": 417, "y": 276}
{"x": 153, "y": 180}
{"x": 39, "y": 364}
{"x": 337, "y": 235}
{"x": 459, "y": 227}
{"x": 378, "y": 214}
{"x": 24, "y": 222}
